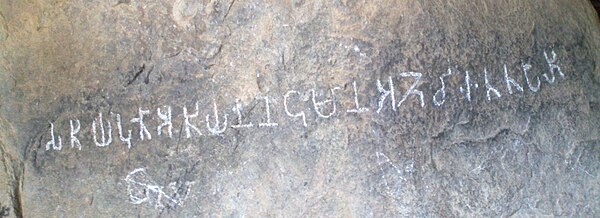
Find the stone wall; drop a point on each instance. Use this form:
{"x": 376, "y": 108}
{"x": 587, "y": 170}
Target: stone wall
{"x": 184, "y": 108}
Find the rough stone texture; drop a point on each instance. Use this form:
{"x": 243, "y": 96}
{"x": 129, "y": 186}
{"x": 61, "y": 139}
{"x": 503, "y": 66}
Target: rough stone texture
{"x": 522, "y": 154}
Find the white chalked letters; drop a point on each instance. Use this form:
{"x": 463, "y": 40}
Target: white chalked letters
{"x": 188, "y": 125}
{"x": 238, "y": 110}
{"x": 287, "y": 110}
{"x": 166, "y": 118}
{"x": 75, "y": 143}
{"x": 216, "y": 130}
{"x": 357, "y": 109}
{"x": 317, "y": 105}
{"x": 106, "y": 137}
{"x": 141, "y": 188}
{"x": 385, "y": 93}
{"x": 553, "y": 66}
{"x": 467, "y": 89}
{"x": 533, "y": 88}
{"x": 52, "y": 143}
{"x": 510, "y": 82}
{"x": 440, "y": 95}
{"x": 140, "y": 119}
{"x": 268, "y": 123}
{"x": 296, "y": 105}
{"x": 120, "y": 130}
{"x": 412, "y": 90}
{"x": 489, "y": 88}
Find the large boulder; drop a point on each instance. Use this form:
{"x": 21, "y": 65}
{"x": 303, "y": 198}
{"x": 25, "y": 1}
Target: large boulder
{"x": 184, "y": 108}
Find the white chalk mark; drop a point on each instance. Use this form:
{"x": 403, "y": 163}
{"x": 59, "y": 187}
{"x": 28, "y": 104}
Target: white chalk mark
{"x": 269, "y": 123}
{"x": 385, "y": 182}
{"x": 317, "y": 105}
{"x": 387, "y": 160}
{"x": 238, "y": 110}
{"x": 553, "y": 66}
{"x": 385, "y": 93}
{"x": 166, "y": 118}
{"x": 412, "y": 90}
{"x": 143, "y": 130}
{"x": 106, "y": 137}
{"x": 396, "y": 175}
{"x": 215, "y": 130}
{"x": 480, "y": 167}
{"x": 287, "y": 110}
{"x": 187, "y": 122}
{"x": 52, "y": 143}
{"x": 510, "y": 82}
{"x": 141, "y": 188}
{"x": 467, "y": 89}
{"x": 74, "y": 130}
{"x": 136, "y": 196}
{"x": 120, "y": 129}
{"x": 489, "y": 87}
{"x": 357, "y": 109}
{"x": 535, "y": 88}
{"x": 442, "y": 91}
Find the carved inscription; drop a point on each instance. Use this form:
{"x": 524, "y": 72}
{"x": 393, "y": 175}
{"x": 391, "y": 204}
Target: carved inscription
{"x": 299, "y": 105}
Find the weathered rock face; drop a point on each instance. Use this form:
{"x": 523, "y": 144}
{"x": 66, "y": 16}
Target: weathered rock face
{"x": 299, "y": 108}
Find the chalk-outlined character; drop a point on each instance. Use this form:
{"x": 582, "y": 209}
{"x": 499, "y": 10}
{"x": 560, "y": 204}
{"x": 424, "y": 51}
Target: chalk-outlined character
{"x": 357, "y": 109}
{"x": 166, "y": 118}
{"x": 385, "y": 93}
{"x": 442, "y": 91}
{"x": 140, "y": 119}
{"x": 141, "y": 188}
{"x": 467, "y": 89}
{"x": 287, "y": 110}
{"x": 52, "y": 143}
{"x": 238, "y": 110}
{"x": 533, "y": 88}
{"x": 268, "y": 123}
{"x": 412, "y": 90}
{"x": 75, "y": 143}
{"x": 187, "y": 124}
{"x": 317, "y": 105}
{"x": 106, "y": 137}
{"x": 488, "y": 86}
{"x": 510, "y": 82}
{"x": 552, "y": 62}
{"x": 120, "y": 130}
{"x": 216, "y": 130}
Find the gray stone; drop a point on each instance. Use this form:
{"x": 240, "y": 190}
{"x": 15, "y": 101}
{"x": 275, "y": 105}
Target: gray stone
{"x": 312, "y": 80}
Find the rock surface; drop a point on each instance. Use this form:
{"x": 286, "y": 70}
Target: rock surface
{"x": 348, "y": 108}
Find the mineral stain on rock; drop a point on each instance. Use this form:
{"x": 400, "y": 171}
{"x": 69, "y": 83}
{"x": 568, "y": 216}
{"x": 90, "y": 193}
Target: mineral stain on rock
{"x": 4, "y": 211}
{"x": 184, "y": 108}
